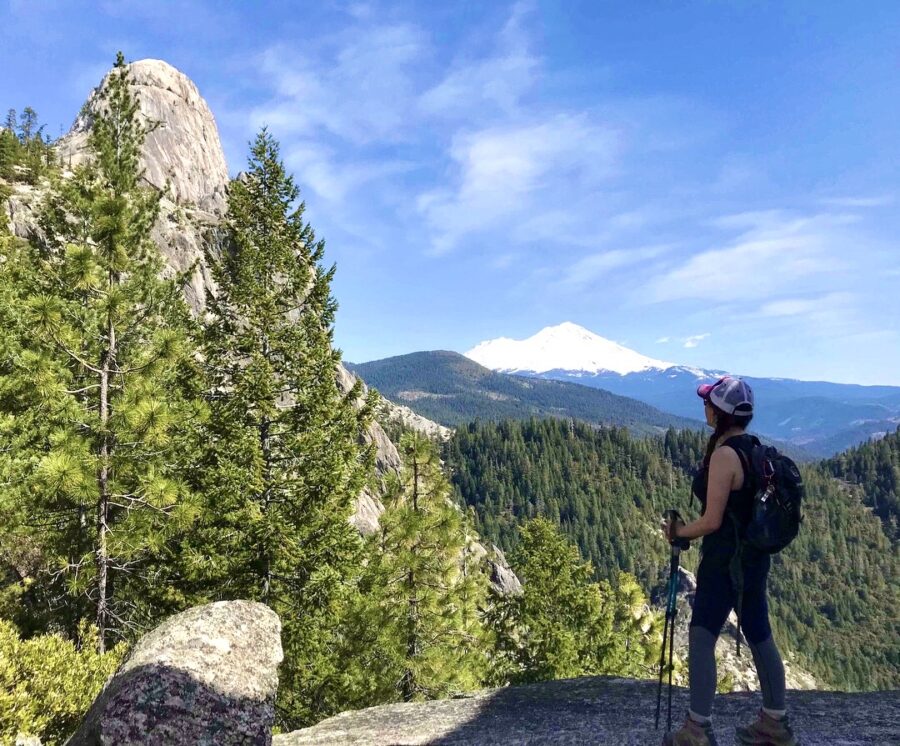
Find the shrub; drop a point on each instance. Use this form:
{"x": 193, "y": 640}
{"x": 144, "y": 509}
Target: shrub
{"x": 47, "y": 684}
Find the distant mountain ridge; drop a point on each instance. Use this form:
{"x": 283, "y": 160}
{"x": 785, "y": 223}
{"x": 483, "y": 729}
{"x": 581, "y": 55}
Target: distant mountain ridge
{"x": 821, "y": 417}
{"x": 451, "y": 389}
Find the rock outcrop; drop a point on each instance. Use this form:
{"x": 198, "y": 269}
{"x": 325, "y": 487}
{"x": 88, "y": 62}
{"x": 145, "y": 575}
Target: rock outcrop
{"x": 387, "y": 460}
{"x": 603, "y": 711}
{"x": 413, "y": 421}
{"x": 502, "y": 576}
{"x": 205, "y": 676}
{"x": 208, "y": 676}
{"x": 183, "y": 153}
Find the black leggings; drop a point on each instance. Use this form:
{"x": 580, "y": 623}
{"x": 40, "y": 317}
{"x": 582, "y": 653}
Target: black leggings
{"x": 716, "y": 597}
{"x": 713, "y": 601}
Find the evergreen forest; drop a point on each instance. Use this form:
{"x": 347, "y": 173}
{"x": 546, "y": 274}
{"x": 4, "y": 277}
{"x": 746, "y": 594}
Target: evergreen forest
{"x": 875, "y": 468}
{"x": 25, "y": 151}
{"x": 833, "y": 592}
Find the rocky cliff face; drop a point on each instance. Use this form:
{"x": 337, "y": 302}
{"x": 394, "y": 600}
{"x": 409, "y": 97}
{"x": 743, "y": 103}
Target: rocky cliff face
{"x": 183, "y": 153}
{"x": 182, "y": 156}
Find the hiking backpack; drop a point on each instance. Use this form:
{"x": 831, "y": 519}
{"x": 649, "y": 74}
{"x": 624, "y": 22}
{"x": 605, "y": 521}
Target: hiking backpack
{"x": 776, "y": 518}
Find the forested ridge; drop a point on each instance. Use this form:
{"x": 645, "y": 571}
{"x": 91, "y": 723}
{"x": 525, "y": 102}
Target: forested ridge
{"x": 453, "y": 390}
{"x": 834, "y": 592}
{"x": 25, "y": 151}
{"x": 875, "y": 467}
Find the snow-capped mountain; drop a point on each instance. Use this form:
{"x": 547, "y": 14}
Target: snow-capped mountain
{"x": 566, "y": 346}
{"x": 820, "y": 416}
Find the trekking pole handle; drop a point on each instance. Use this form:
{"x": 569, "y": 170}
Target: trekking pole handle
{"x": 678, "y": 543}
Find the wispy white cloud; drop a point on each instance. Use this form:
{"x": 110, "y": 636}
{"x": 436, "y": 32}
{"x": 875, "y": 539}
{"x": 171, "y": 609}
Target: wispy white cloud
{"x": 807, "y": 306}
{"x": 358, "y": 86}
{"x": 873, "y": 201}
{"x": 497, "y": 81}
{"x": 318, "y": 168}
{"x": 593, "y": 267}
{"x": 695, "y": 340}
{"x": 776, "y": 254}
{"x": 663, "y": 340}
{"x": 503, "y": 261}
{"x": 501, "y": 171}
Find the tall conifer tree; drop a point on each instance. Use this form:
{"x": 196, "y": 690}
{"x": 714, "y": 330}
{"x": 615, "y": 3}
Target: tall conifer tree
{"x": 284, "y": 461}
{"x": 565, "y": 625}
{"x": 423, "y": 590}
{"x": 97, "y": 383}
{"x": 419, "y": 632}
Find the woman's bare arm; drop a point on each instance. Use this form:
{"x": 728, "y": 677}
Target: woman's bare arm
{"x": 722, "y": 468}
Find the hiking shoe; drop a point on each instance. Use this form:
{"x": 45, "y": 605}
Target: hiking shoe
{"x": 766, "y": 731}
{"x": 691, "y": 734}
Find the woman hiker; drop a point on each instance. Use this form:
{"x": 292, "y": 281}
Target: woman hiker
{"x": 723, "y": 483}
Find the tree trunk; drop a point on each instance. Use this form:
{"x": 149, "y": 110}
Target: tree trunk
{"x": 265, "y": 555}
{"x": 106, "y": 365}
{"x": 412, "y": 640}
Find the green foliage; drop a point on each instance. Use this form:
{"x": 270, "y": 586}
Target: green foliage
{"x": 394, "y": 427}
{"x": 25, "y": 153}
{"x": 99, "y": 395}
{"x": 47, "y": 684}
{"x": 417, "y": 631}
{"x": 564, "y": 624}
{"x": 875, "y": 466}
{"x": 283, "y": 460}
{"x": 832, "y": 596}
{"x": 5, "y": 193}
{"x": 725, "y": 684}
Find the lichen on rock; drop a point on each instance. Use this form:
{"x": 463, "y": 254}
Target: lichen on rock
{"x": 206, "y": 676}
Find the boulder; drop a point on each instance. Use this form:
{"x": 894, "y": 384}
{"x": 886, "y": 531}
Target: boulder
{"x": 205, "y": 676}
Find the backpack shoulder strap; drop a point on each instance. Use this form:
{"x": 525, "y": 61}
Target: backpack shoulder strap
{"x": 742, "y": 453}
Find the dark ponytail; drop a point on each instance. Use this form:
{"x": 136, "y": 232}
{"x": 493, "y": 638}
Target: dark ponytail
{"x": 724, "y": 422}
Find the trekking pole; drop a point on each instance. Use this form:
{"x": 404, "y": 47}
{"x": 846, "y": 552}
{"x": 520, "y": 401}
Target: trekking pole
{"x": 671, "y": 613}
{"x": 673, "y": 605}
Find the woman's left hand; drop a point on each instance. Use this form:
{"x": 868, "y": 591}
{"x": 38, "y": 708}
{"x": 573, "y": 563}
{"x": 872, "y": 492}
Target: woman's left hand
{"x": 670, "y": 528}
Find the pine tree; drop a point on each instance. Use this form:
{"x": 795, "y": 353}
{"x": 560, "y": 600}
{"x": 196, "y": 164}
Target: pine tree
{"x": 283, "y": 463}
{"x": 9, "y": 155}
{"x": 419, "y": 632}
{"x": 28, "y": 126}
{"x": 97, "y": 382}
{"x": 565, "y": 625}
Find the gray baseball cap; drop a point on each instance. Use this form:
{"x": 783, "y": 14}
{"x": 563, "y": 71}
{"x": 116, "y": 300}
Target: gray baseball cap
{"x": 731, "y": 395}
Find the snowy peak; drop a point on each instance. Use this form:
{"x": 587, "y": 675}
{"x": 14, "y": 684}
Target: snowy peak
{"x": 564, "y": 347}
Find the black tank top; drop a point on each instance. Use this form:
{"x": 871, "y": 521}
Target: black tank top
{"x": 740, "y": 502}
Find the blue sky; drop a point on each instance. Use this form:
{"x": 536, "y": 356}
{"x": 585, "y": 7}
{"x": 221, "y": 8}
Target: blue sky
{"x": 711, "y": 183}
